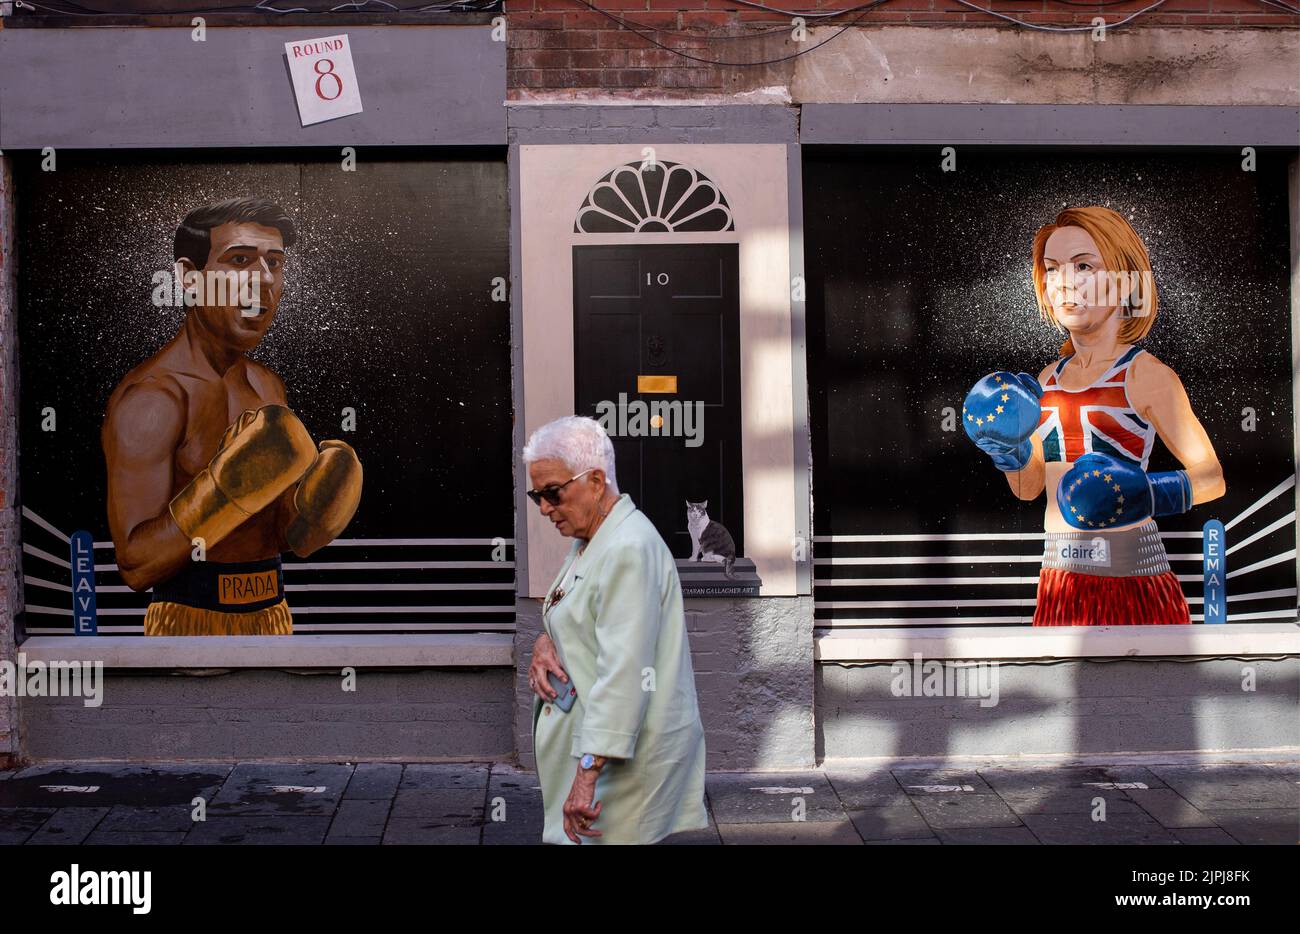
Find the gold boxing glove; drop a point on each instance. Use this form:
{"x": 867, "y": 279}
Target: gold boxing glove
{"x": 260, "y": 456}
{"x": 326, "y": 498}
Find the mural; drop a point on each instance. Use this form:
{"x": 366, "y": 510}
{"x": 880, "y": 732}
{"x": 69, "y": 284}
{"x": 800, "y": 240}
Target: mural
{"x": 1139, "y": 472}
{"x": 259, "y": 397}
{"x": 201, "y": 507}
{"x": 1081, "y": 432}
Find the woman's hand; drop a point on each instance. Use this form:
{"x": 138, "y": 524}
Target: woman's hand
{"x": 579, "y": 808}
{"x": 545, "y": 659}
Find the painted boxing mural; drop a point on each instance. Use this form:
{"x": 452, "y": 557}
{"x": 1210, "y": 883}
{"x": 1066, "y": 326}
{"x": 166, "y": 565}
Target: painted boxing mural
{"x": 211, "y": 476}
{"x": 1081, "y": 432}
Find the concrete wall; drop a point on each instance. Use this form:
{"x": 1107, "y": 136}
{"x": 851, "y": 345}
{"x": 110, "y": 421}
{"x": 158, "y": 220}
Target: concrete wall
{"x": 10, "y": 576}
{"x": 433, "y": 714}
{"x": 1066, "y": 707}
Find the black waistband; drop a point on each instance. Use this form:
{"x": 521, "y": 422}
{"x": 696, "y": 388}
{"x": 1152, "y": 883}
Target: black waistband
{"x": 238, "y": 587}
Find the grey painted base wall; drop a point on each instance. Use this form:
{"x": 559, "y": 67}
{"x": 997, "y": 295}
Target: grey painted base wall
{"x": 436, "y": 713}
{"x": 1066, "y": 708}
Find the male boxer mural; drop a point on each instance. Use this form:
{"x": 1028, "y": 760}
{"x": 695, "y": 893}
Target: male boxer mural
{"x": 210, "y": 476}
{"x": 1083, "y": 431}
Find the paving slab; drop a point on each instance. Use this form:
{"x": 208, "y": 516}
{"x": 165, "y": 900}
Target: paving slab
{"x": 1170, "y": 808}
{"x": 17, "y": 824}
{"x": 747, "y": 797}
{"x": 1196, "y": 836}
{"x": 374, "y": 780}
{"x": 261, "y": 830}
{"x": 419, "y": 831}
{"x": 68, "y": 826}
{"x": 151, "y": 838}
{"x": 288, "y": 789}
{"x": 130, "y": 819}
{"x": 923, "y": 781}
{"x": 707, "y": 836}
{"x": 1260, "y": 825}
{"x": 866, "y": 790}
{"x": 443, "y": 805}
{"x": 353, "y": 841}
{"x": 448, "y": 775}
{"x": 1231, "y": 788}
{"x": 1082, "y": 829}
{"x": 63, "y": 785}
{"x": 791, "y": 833}
{"x": 951, "y": 812}
{"x": 996, "y": 836}
{"x": 893, "y": 822}
{"x": 1067, "y": 791}
{"x": 360, "y": 818}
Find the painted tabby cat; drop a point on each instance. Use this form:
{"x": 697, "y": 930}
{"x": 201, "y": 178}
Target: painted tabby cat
{"x": 710, "y": 541}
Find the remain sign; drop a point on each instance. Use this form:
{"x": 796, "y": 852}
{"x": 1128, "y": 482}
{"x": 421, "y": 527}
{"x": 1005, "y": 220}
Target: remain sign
{"x": 324, "y": 78}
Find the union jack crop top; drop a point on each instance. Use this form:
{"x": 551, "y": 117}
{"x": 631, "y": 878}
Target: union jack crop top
{"x": 1097, "y": 418}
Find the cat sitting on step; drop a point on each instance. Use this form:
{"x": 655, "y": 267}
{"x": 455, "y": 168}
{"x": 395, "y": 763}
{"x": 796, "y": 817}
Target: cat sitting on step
{"x": 710, "y": 541}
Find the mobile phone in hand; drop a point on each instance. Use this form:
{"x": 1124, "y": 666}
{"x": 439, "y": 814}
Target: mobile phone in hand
{"x": 565, "y": 694}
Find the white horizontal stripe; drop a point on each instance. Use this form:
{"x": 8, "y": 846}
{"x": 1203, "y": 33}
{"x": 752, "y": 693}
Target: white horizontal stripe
{"x": 45, "y": 556}
{"x": 403, "y": 627}
{"x": 395, "y": 565}
{"x": 296, "y": 610}
{"x": 372, "y": 565}
{"x": 1258, "y": 595}
{"x": 932, "y": 559}
{"x": 394, "y": 542}
{"x": 933, "y": 537}
{"x": 1268, "y": 497}
{"x": 48, "y": 610}
{"x": 1267, "y": 562}
{"x": 908, "y": 560}
{"x": 38, "y": 582}
{"x": 388, "y": 542}
{"x": 45, "y": 525}
{"x": 1273, "y": 527}
{"x": 918, "y": 620}
{"x": 919, "y": 581}
{"x": 365, "y": 588}
{"x": 1289, "y": 615}
{"x": 960, "y": 537}
{"x": 902, "y": 604}
{"x": 394, "y": 628}
{"x": 402, "y": 609}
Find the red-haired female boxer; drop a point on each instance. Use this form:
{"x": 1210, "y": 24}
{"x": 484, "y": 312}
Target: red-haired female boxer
{"x": 1083, "y": 431}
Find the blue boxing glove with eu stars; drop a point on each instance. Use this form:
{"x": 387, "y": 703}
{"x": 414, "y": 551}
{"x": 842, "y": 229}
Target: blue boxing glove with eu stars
{"x": 1000, "y": 415}
{"x": 1101, "y": 491}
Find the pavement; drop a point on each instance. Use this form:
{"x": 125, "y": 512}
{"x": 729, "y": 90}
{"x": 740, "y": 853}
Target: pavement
{"x": 493, "y": 803}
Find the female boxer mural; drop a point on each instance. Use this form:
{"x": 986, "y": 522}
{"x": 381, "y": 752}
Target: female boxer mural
{"x": 1083, "y": 431}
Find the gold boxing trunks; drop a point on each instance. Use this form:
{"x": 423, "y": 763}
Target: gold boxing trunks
{"x": 210, "y": 598}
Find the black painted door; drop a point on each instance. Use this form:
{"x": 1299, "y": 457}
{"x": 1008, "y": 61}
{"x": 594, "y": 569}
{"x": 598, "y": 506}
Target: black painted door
{"x": 665, "y": 310}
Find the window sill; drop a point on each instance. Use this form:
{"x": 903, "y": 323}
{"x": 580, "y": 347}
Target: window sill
{"x": 324, "y": 651}
{"x": 1011, "y": 642}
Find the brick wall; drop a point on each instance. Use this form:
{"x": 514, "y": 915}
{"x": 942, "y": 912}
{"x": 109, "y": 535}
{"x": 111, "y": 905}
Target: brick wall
{"x": 9, "y": 582}
{"x": 558, "y": 45}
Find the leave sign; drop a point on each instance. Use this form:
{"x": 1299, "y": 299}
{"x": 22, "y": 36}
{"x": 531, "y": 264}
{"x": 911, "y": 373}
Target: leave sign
{"x": 324, "y": 79}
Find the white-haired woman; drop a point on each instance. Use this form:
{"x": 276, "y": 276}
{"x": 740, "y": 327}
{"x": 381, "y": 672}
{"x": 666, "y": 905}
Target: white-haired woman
{"x": 626, "y": 763}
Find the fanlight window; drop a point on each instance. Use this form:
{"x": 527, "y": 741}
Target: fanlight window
{"x": 654, "y": 197}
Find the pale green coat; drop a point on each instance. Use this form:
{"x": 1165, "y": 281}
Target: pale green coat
{"x": 620, "y": 632}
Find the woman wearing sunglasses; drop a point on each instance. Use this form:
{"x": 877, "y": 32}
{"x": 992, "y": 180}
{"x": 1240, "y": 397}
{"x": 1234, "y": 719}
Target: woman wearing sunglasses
{"x": 625, "y": 763}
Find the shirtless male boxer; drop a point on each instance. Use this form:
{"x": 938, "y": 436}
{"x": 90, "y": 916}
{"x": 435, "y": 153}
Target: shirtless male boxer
{"x": 210, "y": 476}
